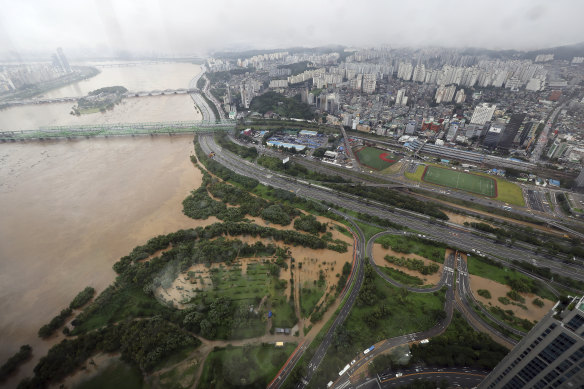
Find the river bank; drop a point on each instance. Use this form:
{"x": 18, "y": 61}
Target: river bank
{"x": 70, "y": 210}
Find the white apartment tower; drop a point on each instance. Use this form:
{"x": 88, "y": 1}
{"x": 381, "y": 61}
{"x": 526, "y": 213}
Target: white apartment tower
{"x": 369, "y": 83}
{"x": 404, "y": 71}
{"x": 419, "y": 73}
{"x": 482, "y": 113}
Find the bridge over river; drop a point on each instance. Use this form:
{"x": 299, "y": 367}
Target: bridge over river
{"x": 118, "y": 129}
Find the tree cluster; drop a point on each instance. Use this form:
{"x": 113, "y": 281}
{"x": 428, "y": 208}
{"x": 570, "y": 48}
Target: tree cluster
{"x": 12, "y": 364}
{"x": 143, "y": 343}
{"x": 460, "y": 345}
{"x": 244, "y": 152}
{"x": 82, "y": 298}
{"x": 282, "y": 105}
{"x": 413, "y": 264}
{"x": 56, "y": 322}
{"x": 308, "y": 223}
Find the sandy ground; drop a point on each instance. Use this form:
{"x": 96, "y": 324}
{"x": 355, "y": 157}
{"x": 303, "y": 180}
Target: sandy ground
{"x": 378, "y": 256}
{"x": 533, "y": 312}
{"x": 460, "y": 219}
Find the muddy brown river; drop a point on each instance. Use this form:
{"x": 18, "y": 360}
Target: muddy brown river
{"x": 70, "y": 209}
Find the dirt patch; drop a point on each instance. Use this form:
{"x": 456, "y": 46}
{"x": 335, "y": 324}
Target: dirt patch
{"x": 461, "y": 219}
{"x": 378, "y": 257}
{"x": 533, "y": 312}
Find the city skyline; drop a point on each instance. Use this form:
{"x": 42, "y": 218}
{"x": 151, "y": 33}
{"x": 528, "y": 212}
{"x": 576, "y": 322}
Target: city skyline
{"x": 178, "y": 27}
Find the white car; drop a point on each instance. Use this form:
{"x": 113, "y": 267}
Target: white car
{"x": 399, "y": 374}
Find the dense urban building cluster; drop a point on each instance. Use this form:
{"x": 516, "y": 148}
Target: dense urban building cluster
{"x": 456, "y": 101}
{"x": 13, "y": 77}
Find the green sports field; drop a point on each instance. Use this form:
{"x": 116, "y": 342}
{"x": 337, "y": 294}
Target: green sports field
{"x": 375, "y": 158}
{"x": 456, "y": 179}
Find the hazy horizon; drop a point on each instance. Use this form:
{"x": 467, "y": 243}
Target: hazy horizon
{"x": 154, "y": 28}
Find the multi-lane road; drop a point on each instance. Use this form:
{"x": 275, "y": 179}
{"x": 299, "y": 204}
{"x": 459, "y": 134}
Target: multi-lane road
{"x": 460, "y": 238}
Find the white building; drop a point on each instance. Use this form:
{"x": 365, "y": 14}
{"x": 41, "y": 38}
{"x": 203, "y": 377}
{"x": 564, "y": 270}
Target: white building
{"x": 401, "y": 98}
{"x": 482, "y": 113}
{"x": 369, "y": 83}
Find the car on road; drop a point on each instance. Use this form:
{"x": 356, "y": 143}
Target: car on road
{"x": 399, "y": 374}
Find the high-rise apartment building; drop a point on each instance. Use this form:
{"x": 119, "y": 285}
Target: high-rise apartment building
{"x": 369, "y": 83}
{"x": 60, "y": 61}
{"x": 404, "y": 71}
{"x": 482, "y": 113}
{"x": 401, "y": 98}
{"x": 551, "y": 355}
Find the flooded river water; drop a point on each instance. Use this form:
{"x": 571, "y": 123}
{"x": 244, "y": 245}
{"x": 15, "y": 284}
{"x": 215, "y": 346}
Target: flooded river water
{"x": 70, "y": 209}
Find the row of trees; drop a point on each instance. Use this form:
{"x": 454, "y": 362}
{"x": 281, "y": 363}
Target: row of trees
{"x": 393, "y": 198}
{"x": 296, "y": 170}
{"x": 14, "y": 362}
{"x": 244, "y": 152}
{"x": 413, "y": 264}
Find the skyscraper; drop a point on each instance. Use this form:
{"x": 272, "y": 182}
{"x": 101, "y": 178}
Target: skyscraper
{"x": 551, "y": 355}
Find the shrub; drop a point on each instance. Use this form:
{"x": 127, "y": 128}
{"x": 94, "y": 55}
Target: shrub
{"x": 484, "y": 293}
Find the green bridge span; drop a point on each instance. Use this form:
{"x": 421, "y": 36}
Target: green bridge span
{"x": 118, "y": 129}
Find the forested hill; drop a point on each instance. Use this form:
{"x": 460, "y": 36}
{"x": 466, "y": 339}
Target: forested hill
{"x": 282, "y": 105}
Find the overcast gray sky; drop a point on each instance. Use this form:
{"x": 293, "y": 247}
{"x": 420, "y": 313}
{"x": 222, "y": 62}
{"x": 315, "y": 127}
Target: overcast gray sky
{"x": 183, "y": 27}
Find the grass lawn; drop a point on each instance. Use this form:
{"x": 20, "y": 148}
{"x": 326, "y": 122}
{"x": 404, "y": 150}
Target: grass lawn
{"x": 309, "y": 297}
{"x": 284, "y": 315}
{"x": 503, "y": 275}
{"x": 375, "y": 158}
{"x": 368, "y": 230}
{"x": 417, "y": 176}
{"x": 117, "y": 375}
{"x": 248, "y": 366}
{"x": 178, "y": 377}
{"x": 457, "y": 179}
{"x": 409, "y": 244}
{"x": 509, "y": 192}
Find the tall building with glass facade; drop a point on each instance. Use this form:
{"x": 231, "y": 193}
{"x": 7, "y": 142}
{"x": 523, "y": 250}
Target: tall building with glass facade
{"x": 551, "y": 355}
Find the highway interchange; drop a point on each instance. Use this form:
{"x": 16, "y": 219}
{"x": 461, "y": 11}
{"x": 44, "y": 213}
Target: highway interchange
{"x": 462, "y": 239}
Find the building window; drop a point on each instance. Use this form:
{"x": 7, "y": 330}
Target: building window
{"x": 572, "y": 372}
{"x": 575, "y": 323}
{"x": 551, "y": 375}
{"x": 532, "y": 369}
{"x": 577, "y": 354}
{"x": 562, "y": 367}
{"x": 558, "y": 346}
{"x": 540, "y": 385}
{"x": 515, "y": 383}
